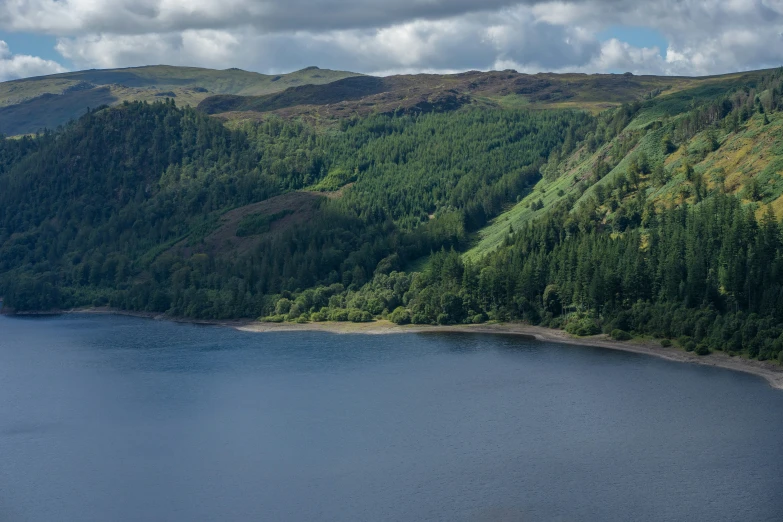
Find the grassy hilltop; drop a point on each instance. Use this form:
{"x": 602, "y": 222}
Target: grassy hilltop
{"x": 32, "y": 104}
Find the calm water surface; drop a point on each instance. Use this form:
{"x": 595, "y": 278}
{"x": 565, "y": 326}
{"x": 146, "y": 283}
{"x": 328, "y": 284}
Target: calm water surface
{"x": 122, "y": 419}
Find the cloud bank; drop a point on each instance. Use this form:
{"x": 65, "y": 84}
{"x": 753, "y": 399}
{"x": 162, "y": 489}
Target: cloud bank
{"x": 379, "y": 36}
{"x": 14, "y": 66}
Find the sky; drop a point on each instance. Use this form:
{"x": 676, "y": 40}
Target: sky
{"x": 672, "y": 37}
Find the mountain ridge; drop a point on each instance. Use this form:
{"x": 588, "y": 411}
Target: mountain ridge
{"x": 362, "y": 96}
{"x": 31, "y": 104}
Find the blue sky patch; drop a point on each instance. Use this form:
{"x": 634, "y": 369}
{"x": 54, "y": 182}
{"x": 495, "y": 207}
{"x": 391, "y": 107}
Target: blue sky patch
{"x": 636, "y": 36}
{"x": 34, "y": 45}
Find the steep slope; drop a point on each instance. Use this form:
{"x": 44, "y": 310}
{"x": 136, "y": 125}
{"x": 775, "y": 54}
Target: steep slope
{"x": 743, "y": 158}
{"x": 31, "y": 104}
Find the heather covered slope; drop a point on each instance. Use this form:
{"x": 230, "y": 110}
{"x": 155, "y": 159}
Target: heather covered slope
{"x": 421, "y": 93}
{"x": 428, "y": 92}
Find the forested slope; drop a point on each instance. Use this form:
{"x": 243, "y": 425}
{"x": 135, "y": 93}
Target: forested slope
{"x": 116, "y": 209}
{"x": 659, "y": 217}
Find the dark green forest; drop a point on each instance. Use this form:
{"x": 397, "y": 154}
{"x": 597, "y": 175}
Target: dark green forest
{"x": 121, "y": 208}
{"x": 90, "y": 213}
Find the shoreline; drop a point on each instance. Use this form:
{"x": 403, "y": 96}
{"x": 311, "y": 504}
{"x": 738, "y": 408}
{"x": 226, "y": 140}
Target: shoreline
{"x": 771, "y": 372}
{"x": 155, "y": 316}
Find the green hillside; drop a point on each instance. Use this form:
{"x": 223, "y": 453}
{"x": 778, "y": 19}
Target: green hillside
{"x": 32, "y": 104}
{"x": 454, "y": 199}
{"x": 739, "y": 158}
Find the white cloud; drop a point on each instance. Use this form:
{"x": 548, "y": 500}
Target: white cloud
{"x": 209, "y": 48}
{"x": 476, "y": 41}
{"x": 71, "y": 17}
{"x": 14, "y": 66}
{"x": 704, "y": 36}
{"x": 620, "y": 56}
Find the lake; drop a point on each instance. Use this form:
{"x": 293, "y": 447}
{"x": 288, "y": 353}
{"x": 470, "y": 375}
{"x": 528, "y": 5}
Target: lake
{"x": 108, "y": 418}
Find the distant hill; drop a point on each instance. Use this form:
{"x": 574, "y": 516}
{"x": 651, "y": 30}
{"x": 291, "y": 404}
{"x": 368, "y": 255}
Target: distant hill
{"x": 46, "y": 102}
{"x": 421, "y": 93}
{"x": 32, "y": 104}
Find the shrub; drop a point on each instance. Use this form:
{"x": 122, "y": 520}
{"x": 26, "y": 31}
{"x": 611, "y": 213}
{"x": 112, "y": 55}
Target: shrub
{"x": 294, "y": 312}
{"x": 252, "y": 225}
{"x": 666, "y": 343}
{"x": 780, "y": 357}
{"x": 754, "y": 348}
{"x": 702, "y": 349}
{"x": 359, "y": 316}
{"x": 683, "y": 340}
{"x": 583, "y": 327}
{"x": 444, "y": 319}
{"x": 283, "y": 306}
{"x": 480, "y": 318}
{"x": 318, "y": 317}
{"x": 374, "y": 306}
{"x": 620, "y": 335}
{"x": 419, "y": 319}
{"x": 590, "y": 328}
{"x": 338, "y": 315}
{"x": 400, "y": 315}
{"x": 274, "y": 318}
{"x": 689, "y": 346}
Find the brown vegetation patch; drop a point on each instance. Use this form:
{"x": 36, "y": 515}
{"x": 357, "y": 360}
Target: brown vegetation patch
{"x": 294, "y": 207}
{"x": 423, "y": 93}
